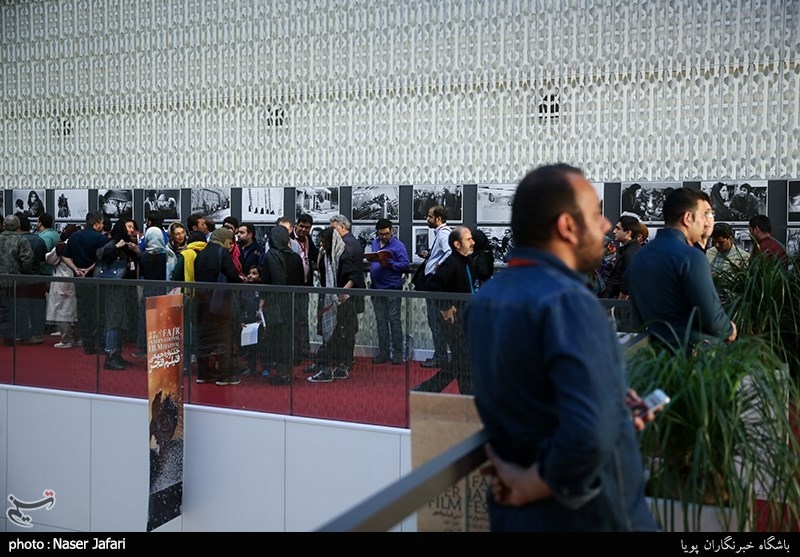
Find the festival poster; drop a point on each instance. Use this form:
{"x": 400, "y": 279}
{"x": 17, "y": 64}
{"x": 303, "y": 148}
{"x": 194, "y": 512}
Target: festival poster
{"x": 164, "y": 322}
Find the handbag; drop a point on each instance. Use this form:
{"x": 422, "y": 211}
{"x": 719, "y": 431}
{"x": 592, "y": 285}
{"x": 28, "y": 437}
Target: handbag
{"x": 221, "y": 299}
{"x": 115, "y": 269}
{"x": 419, "y": 279}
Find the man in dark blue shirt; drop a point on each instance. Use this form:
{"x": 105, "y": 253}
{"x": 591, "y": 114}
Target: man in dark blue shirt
{"x": 669, "y": 280}
{"x": 388, "y": 261}
{"x": 548, "y": 372}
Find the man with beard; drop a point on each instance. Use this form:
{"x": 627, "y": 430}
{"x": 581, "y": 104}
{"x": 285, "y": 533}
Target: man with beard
{"x": 548, "y": 372}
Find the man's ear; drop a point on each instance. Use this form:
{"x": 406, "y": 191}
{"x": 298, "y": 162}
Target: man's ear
{"x": 567, "y": 228}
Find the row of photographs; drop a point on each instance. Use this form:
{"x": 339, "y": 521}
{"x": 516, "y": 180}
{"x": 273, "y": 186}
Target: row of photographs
{"x": 733, "y": 202}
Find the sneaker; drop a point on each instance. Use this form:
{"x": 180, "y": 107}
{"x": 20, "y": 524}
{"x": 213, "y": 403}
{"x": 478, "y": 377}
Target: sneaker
{"x": 265, "y": 373}
{"x": 201, "y": 380}
{"x": 323, "y": 376}
{"x": 340, "y": 373}
{"x": 56, "y": 334}
{"x": 113, "y": 365}
{"x": 281, "y": 380}
{"x": 117, "y": 357}
{"x": 34, "y": 340}
{"x": 312, "y": 368}
{"x": 63, "y": 345}
{"x": 380, "y": 359}
{"x": 431, "y": 362}
{"x": 246, "y": 372}
{"x": 228, "y": 381}
{"x": 142, "y": 354}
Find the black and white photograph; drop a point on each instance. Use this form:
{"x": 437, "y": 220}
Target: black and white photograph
{"x": 448, "y": 196}
{"x": 2, "y": 202}
{"x": 71, "y": 204}
{"x": 366, "y": 234}
{"x": 646, "y": 199}
{"x": 321, "y": 203}
{"x": 115, "y": 204}
{"x": 167, "y": 203}
{"x": 422, "y": 236}
{"x": 316, "y": 230}
{"x": 61, "y": 226}
{"x": 262, "y": 204}
{"x": 793, "y": 243}
{"x": 743, "y": 239}
{"x": 371, "y": 203}
{"x": 793, "y": 203}
{"x": 736, "y": 201}
{"x": 501, "y": 240}
{"x": 212, "y": 202}
{"x": 494, "y": 202}
{"x": 30, "y": 203}
{"x": 262, "y": 234}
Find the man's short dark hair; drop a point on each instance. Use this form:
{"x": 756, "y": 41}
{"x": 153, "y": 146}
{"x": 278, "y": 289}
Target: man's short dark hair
{"x": 541, "y": 196}
{"x": 24, "y": 222}
{"x": 681, "y": 200}
{"x": 722, "y": 230}
{"x": 630, "y": 224}
{"x": 210, "y": 224}
{"x": 46, "y": 219}
{"x": 455, "y": 236}
{"x": 284, "y": 220}
{"x": 251, "y": 229}
{"x": 231, "y": 220}
{"x": 155, "y": 219}
{"x": 191, "y": 222}
{"x": 439, "y": 212}
{"x": 195, "y": 236}
{"x": 762, "y": 222}
{"x": 306, "y": 218}
{"x": 383, "y": 223}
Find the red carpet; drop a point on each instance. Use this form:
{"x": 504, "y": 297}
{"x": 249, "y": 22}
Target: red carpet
{"x": 373, "y": 394}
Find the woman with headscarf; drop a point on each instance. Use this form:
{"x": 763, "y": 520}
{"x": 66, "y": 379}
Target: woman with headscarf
{"x": 215, "y": 328}
{"x": 281, "y": 266}
{"x": 152, "y": 266}
{"x": 175, "y": 246}
{"x": 338, "y": 321}
{"x": 62, "y": 305}
{"x": 119, "y": 301}
{"x": 720, "y": 196}
{"x": 481, "y": 258}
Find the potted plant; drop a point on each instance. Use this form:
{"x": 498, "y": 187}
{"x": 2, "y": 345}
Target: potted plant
{"x": 726, "y": 439}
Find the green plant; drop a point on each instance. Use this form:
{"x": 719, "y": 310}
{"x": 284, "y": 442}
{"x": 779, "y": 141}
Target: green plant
{"x": 763, "y": 299}
{"x": 726, "y": 436}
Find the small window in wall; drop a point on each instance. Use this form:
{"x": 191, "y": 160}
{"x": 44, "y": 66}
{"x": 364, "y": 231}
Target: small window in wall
{"x": 276, "y": 117}
{"x": 548, "y": 107}
{"x": 62, "y": 127}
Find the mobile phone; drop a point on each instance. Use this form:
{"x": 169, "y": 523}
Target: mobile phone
{"x": 653, "y": 402}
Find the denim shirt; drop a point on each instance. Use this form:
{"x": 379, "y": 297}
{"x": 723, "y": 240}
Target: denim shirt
{"x": 549, "y": 385}
{"x": 670, "y": 283}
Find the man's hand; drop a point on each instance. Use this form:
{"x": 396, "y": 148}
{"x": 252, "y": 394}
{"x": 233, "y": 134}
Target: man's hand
{"x": 733, "y": 334}
{"x": 449, "y": 315}
{"x": 511, "y": 484}
{"x": 632, "y": 399}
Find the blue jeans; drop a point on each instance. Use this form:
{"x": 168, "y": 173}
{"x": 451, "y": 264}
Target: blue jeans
{"x": 387, "y": 319}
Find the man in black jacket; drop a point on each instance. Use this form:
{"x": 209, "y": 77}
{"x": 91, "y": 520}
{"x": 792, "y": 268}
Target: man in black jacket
{"x": 453, "y": 275}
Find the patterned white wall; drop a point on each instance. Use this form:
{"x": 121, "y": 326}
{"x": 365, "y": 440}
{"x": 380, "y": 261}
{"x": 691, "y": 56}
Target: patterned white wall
{"x": 237, "y": 93}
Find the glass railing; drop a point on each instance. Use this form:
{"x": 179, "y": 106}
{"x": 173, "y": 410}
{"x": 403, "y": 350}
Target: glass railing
{"x": 271, "y": 375}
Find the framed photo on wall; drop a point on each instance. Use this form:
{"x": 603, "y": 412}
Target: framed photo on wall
{"x": 167, "y": 203}
{"x": 371, "y": 203}
{"x": 500, "y": 239}
{"x": 646, "y": 199}
{"x": 793, "y": 202}
{"x": 422, "y": 236}
{"x": 600, "y": 189}
{"x": 212, "y": 202}
{"x": 30, "y": 203}
{"x": 71, "y": 204}
{"x": 320, "y": 202}
{"x": 736, "y": 201}
{"x": 494, "y": 202}
{"x": 115, "y": 204}
{"x": 262, "y": 204}
{"x": 449, "y": 196}
{"x": 793, "y": 242}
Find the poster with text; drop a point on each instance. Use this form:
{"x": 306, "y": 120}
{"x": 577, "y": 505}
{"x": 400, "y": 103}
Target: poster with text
{"x": 164, "y": 322}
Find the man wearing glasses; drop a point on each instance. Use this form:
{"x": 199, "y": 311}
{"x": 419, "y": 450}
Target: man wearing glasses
{"x": 669, "y": 280}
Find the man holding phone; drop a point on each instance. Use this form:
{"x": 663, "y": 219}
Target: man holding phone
{"x": 548, "y": 373}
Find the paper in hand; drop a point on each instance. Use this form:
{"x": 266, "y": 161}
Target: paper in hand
{"x": 250, "y": 334}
